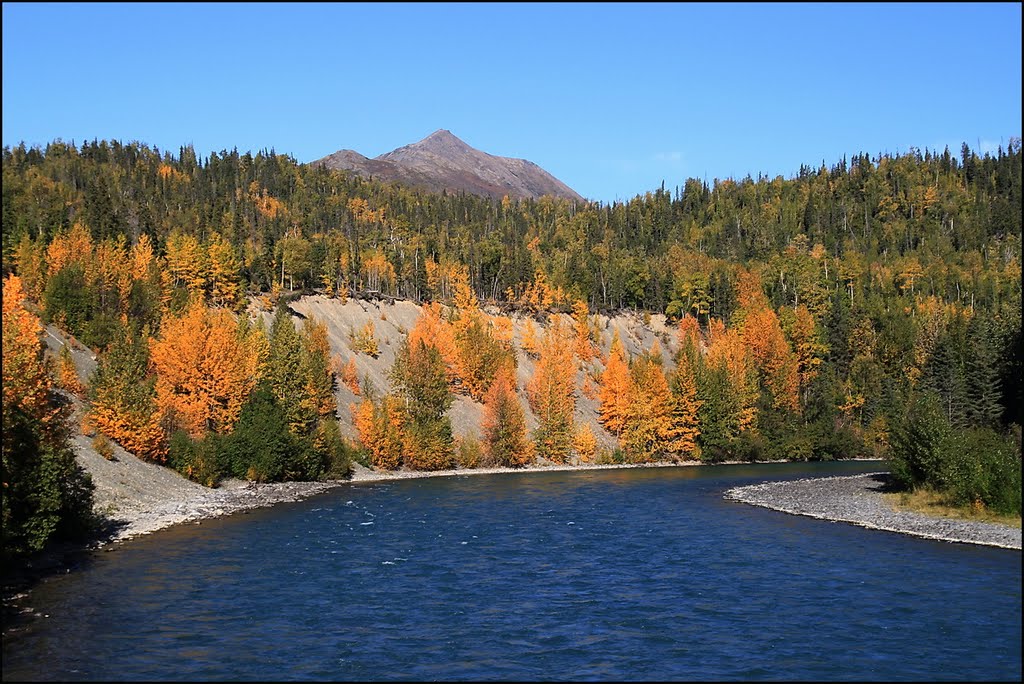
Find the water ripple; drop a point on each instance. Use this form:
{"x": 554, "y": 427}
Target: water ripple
{"x": 616, "y": 575}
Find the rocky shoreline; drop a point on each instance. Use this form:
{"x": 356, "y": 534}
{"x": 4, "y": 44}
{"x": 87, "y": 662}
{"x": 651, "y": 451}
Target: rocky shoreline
{"x": 858, "y": 499}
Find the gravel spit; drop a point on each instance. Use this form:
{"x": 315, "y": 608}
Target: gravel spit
{"x": 858, "y": 499}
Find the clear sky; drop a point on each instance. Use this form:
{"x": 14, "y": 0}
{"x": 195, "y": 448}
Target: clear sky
{"x": 612, "y": 99}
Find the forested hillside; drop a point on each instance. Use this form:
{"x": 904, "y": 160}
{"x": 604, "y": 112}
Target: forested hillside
{"x": 826, "y": 315}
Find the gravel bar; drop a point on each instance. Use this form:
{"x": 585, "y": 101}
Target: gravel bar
{"x": 858, "y": 499}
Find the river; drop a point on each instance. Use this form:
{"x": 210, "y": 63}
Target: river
{"x": 633, "y": 574}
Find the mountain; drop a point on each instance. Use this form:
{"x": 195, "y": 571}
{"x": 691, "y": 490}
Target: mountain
{"x": 442, "y": 161}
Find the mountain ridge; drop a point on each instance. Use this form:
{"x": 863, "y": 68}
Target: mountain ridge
{"x": 442, "y": 161}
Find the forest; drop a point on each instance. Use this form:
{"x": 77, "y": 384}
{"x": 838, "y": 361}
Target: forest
{"x": 870, "y": 308}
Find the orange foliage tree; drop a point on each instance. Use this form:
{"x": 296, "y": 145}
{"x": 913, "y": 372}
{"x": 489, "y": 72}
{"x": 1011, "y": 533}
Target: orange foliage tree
{"x": 67, "y": 374}
{"x": 581, "y": 324}
{"x": 615, "y": 388}
{"x": 381, "y": 432}
{"x": 350, "y": 375}
{"x": 505, "y": 441}
{"x": 728, "y": 352}
{"x": 205, "y": 369}
{"x": 584, "y": 443}
{"x": 773, "y": 357}
{"x": 649, "y": 430}
{"x": 530, "y": 343}
{"x": 26, "y": 383}
{"x": 479, "y": 355}
{"x": 43, "y": 487}
{"x": 685, "y": 408}
{"x": 802, "y": 332}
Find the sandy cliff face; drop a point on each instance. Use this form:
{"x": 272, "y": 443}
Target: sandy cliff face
{"x": 392, "y": 321}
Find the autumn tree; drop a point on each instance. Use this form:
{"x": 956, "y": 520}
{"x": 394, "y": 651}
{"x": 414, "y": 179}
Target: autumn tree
{"x": 288, "y": 375}
{"x": 684, "y": 416}
{"x": 504, "y": 424}
{"x": 122, "y": 399}
{"x": 615, "y": 388}
{"x": 419, "y": 377}
{"x": 583, "y": 346}
{"x": 478, "y": 355}
{"x": 551, "y": 392}
{"x": 45, "y": 493}
{"x": 584, "y": 443}
{"x": 67, "y": 374}
{"x": 529, "y": 343}
{"x": 205, "y": 369}
{"x": 224, "y": 268}
{"x": 649, "y": 429}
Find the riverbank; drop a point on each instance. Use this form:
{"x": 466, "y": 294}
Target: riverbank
{"x": 858, "y": 499}
{"x": 129, "y": 515}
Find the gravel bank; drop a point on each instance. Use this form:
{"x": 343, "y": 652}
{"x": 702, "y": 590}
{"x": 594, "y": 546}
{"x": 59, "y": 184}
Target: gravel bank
{"x": 858, "y": 499}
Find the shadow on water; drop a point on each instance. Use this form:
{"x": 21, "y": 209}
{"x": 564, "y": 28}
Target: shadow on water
{"x": 21, "y": 574}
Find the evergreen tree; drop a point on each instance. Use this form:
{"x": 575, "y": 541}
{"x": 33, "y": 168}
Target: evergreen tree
{"x": 419, "y": 376}
{"x": 984, "y": 389}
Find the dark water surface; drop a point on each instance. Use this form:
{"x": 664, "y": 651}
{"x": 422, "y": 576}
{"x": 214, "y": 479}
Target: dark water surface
{"x": 601, "y": 575}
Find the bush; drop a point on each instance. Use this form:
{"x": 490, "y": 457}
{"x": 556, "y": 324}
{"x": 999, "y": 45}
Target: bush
{"x": 750, "y": 446}
{"x": 46, "y": 495}
{"x": 199, "y": 461}
{"x": 338, "y": 453}
{"x": 975, "y": 467}
{"x": 981, "y": 467}
{"x": 103, "y": 447}
{"x": 914, "y": 444}
{"x": 838, "y": 443}
{"x": 468, "y": 452}
{"x": 260, "y": 447}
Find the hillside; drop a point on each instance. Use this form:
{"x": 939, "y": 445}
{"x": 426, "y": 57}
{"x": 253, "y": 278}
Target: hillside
{"x": 393, "y": 320}
{"x": 441, "y": 161}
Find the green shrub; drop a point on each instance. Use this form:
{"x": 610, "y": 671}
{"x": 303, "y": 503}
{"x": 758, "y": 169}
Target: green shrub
{"x": 750, "y": 446}
{"x": 975, "y": 467}
{"x": 914, "y": 457}
{"x": 46, "y": 494}
{"x": 980, "y": 467}
{"x": 199, "y": 460}
{"x": 337, "y": 450}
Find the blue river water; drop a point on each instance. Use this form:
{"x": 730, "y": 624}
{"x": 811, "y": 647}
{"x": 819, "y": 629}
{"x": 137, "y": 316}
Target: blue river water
{"x": 633, "y": 574}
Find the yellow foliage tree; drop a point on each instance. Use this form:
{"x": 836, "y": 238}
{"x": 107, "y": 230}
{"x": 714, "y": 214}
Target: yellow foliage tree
{"x": 530, "y": 344}
{"x": 381, "y": 430}
{"x": 649, "y": 430}
{"x": 552, "y": 395}
{"x": 585, "y": 443}
{"x": 26, "y": 382}
{"x": 581, "y": 322}
{"x": 505, "y": 441}
{"x": 67, "y": 374}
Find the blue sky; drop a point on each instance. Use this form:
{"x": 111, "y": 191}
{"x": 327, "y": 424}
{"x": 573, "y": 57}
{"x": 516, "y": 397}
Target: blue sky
{"x": 612, "y": 99}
